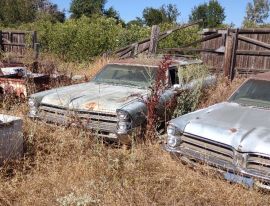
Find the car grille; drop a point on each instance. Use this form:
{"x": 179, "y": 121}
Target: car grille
{"x": 208, "y": 150}
{"x": 258, "y": 164}
{"x": 92, "y": 120}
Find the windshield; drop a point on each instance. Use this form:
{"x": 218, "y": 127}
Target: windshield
{"x": 127, "y": 75}
{"x": 253, "y": 93}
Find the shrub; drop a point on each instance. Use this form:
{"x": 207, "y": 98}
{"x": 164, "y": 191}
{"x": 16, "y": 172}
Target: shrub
{"x": 188, "y": 101}
{"x": 85, "y": 38}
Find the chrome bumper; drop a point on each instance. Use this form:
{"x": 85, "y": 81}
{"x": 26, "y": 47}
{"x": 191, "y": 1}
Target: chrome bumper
{"x": 224, "y": 168}
{"x": 108, "y": 133}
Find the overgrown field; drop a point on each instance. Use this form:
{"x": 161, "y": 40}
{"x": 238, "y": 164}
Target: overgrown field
{"x": 68, "y": 166}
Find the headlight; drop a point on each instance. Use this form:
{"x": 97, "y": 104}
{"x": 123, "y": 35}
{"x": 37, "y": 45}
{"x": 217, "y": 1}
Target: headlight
{"x": 174, "y": 141}
{"x": 171, "y": 130}
{"x": 124, "y": 126}
{"x": 174, "y": 136}
{"x": 124, "y": 122}
{"x": 239, "y": 159}
{"x": 33, "y": 111}
{"x": 31, "y": 102}
{"x": 122, "y": 115}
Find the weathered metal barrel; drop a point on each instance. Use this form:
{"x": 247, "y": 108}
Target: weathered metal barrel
{"x": 11, "y": 138}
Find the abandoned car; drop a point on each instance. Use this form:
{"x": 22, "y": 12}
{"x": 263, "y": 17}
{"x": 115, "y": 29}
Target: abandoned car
{"x": 112, "y": 103}
{"x": 21, "y": 82}
{"x": 232, "y": 136}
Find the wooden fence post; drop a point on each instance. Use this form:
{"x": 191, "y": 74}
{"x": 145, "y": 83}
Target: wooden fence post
{"x": 154, "y": 40}
{"x": 1, "y": 42}
{"x": 36, "y": 55}
{"x": 10, "y": 41}
{"x": 34, "y": 39}
{"x": 228, "y": 55}
{"x": 234, "y": 54}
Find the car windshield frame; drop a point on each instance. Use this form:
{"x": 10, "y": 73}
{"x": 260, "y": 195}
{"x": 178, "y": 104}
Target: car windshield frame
{"x": 132, "y": 75}
{"x": 253, "y": 93}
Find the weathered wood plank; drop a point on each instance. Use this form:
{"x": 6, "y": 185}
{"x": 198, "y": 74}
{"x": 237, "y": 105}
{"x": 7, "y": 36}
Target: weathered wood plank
{"x": 209, "y": 37}
{"x": 146, "y": 41}
{"x": 154, "y": 40}
{"x": 228, "y": 56}
{"x": 235, "y": 47}
{"x": 1, "y": 41}
{"x": 254, "y": 41}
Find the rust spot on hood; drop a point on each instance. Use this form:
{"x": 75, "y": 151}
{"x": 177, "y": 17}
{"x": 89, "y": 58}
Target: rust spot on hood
{"x": 233, "y": 130}
{"x": 91, "y": 105}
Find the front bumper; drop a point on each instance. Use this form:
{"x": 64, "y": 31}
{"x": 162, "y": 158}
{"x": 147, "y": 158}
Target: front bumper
{"x": 229, "y": 171}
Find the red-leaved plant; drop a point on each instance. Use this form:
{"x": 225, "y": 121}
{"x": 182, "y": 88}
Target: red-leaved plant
{"x": 153, "y": 99}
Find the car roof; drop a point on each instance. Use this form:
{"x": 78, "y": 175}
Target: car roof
{"x": 262, "y": 76}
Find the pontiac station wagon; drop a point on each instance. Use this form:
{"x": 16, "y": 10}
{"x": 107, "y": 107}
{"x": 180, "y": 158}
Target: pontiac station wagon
{"x": 232, "y": 136}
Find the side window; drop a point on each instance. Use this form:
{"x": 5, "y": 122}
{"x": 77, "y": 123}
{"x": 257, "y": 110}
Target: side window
{"x": 174, "y": 76}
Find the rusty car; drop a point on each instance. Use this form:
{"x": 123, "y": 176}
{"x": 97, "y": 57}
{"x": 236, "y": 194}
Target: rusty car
{"x": 20, "y": 82}
{"x": 112, "y": 103}
{"x": 232, "y": 137}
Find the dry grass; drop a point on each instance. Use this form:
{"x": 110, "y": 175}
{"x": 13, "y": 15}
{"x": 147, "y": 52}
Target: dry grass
{"x": 221, "y": 92}
{"x": 66, "y": 166}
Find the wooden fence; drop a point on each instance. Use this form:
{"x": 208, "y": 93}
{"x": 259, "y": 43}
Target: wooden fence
{"x": 247, "y": 49}
{"x": 16, "y": 43}
{"x": 232, "y": 51}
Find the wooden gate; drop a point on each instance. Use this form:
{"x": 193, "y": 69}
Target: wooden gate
{"x": 232, "y": 51}
{"x": 17, "y": 42}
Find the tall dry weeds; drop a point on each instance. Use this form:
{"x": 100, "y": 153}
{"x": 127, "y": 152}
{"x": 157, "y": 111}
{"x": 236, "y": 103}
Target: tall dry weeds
{"x": 68, "y": 166}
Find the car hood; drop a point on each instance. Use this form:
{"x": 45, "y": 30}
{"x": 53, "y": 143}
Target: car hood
{"x": 244, "y": 128}
{"x": 93, "y": 97}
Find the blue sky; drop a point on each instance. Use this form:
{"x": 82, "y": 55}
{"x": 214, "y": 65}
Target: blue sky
{"x": 234, "y": 9}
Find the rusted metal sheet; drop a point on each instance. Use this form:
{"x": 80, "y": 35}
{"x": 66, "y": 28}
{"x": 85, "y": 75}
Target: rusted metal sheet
{"x": 11, "y": 138}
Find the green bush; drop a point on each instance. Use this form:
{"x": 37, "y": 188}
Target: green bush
{"x": 188, "y": 101}
{"x": 85, "y": 38}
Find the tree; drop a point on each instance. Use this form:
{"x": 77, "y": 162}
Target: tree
{"x": 200, "y": 12}
{"x": 170, "y": 13}
{"x": 166, "y": 13}
{"x": 257, "y": 12}
{"x": 49, "y": 11}
{"x": 152, "y": 16}
{"x": 212, "y": 14}
{"x": 87, "y": 8}
{"x": 17, "y": 11}
{"x": 138, "y": 22}
{"x": 112, "y": 13}
{"x": 23, "y": 11}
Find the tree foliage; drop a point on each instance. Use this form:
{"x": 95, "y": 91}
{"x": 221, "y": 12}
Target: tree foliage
{"x": 256, "y": 12}
{"x": 164, "y": 14}
{"x": 14, "y": 12}
{"x": 212, "y": 14}
{"x": 17, "y": 11}
{"x": 49, "y": 11}
{"x": 87, "y": 8}
{"x": 152, "y": 16}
